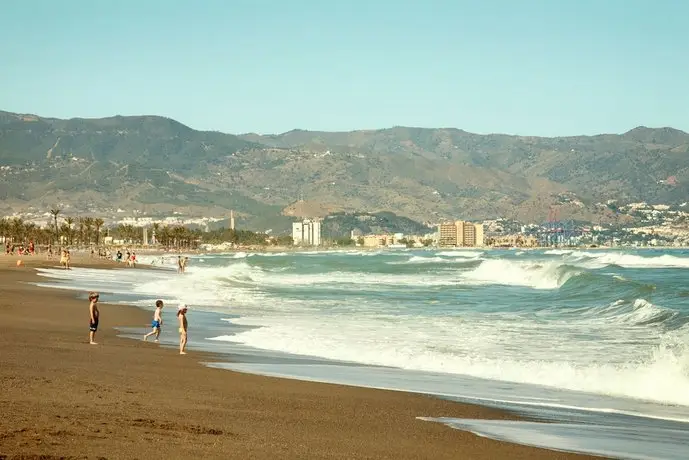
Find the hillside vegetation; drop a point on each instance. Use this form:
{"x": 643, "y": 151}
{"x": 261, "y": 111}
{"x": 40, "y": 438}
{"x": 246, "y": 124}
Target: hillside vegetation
{"x": 154, "y": 163}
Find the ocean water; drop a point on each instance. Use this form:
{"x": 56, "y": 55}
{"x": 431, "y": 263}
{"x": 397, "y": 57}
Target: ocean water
{"x": 578, "y": 339}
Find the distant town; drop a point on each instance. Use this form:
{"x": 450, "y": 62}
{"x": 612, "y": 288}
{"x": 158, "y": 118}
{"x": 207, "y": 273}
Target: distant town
{"x": 634, "y": 225}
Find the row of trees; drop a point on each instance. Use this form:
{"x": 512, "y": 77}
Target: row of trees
{"x": 245, "y": 238}
{"x": 176, "y": 236}
{"x": 20, "y": 232}
{"x": 85, "y": 231}
{"x": 82, "y": 231}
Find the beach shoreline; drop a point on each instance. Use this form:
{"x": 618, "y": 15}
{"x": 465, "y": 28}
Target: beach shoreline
{"x": 125, "y": 398}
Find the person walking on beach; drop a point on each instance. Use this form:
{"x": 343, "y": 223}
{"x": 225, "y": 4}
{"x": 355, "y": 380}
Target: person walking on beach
{"x": 94, "y": 316}
{"x": 157, "y": 321}
{"x": 182, "y": 318}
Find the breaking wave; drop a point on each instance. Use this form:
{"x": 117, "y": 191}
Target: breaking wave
{"x": 534, "y": 274}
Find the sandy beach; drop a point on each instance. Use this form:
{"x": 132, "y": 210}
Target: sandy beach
{"x": 126, "y": 399}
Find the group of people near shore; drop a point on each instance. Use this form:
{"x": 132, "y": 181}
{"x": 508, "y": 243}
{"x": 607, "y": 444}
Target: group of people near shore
{"x": 130, "y": 260}
{"x": 66, "y": 259}
{"x": 182, "y": 264}
{"x": 29, "y": 250}
{"x": 156, "y": 324}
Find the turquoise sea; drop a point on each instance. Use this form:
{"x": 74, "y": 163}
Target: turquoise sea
{"x": 593, "y": 342}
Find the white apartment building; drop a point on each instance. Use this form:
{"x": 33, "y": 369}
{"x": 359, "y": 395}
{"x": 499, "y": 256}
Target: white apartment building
{"x": 307, "y": 232}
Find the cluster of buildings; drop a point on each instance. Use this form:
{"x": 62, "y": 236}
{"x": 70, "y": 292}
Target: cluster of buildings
{"x": 307, "y": 232}
{"x": 395, "y": 240}
{"x": 460, "y": 233}
{"x": 451, "y": 234}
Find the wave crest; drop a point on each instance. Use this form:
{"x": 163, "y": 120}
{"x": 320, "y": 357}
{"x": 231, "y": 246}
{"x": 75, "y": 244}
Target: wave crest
{"x": 534, "y": 274}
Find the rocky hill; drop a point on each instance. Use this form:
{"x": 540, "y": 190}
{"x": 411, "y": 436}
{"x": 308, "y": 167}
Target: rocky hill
{"x": 156, "y": 163}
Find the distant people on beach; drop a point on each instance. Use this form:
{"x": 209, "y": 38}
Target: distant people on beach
{"x": 157, "y": 321}
{"x": 119, "y": 256}
{"x": 182, "y": 317}
{"x": 94, "y": 317}
{"x": 182, "y": 264}
{"x": 65, "y": 259}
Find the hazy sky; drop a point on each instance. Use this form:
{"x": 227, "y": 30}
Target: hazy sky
{"x": 548, "y": 67}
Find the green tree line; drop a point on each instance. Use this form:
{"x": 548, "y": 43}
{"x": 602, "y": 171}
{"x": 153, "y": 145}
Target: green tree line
{"x": 245, "y": 238}
{"x": 85, "y": 231}
{"x": 80, "y": 231}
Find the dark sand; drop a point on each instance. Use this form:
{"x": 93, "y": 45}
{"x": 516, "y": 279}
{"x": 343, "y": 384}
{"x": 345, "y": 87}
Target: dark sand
{"x": 123, "y": 399}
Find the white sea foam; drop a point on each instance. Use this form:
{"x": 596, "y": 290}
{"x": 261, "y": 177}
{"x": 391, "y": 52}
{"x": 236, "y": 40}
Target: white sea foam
{"x": 640, "y": 312}
{"x": 241, "y": 272}
{"x": 558, "y": 252}
{"x": 485, "y": 350}
{"x": 632, "y": 260}
{"x": 460, "y": 253}
{"x": 534, "y": 274}
{"x": 434, "y": 260}
{"x": 621, "y": 348}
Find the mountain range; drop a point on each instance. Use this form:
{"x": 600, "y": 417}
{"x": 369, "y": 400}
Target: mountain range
{"x": 156, "y": 164}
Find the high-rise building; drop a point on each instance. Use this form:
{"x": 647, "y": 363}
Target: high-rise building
{"x": 307, "y": 232}
{"x": 231, "y": 219}
{"x": 460, "y": 233}
{"x": 479, "y": 238}
{"x": 297, "y": 232}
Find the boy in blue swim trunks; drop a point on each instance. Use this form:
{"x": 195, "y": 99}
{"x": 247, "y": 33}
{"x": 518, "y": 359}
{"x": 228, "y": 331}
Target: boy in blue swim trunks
{"x": 157, "y": 321}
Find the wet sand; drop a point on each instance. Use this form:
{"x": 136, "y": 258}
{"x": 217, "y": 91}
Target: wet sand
{"x": 125, "y": 399}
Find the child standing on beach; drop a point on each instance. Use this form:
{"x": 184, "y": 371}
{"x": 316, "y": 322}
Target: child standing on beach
{"x": 182, "y": 317}
{"x": 94, "y": 316}
{"x": 157, "y": 321}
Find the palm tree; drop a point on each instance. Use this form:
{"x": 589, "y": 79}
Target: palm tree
{"x": 66, "y": 231}
{"x": 70, "y": 234}
{"x": 30, "y": 231}
{"x": 163, "y": 236}
{"x": 55, "y": 212}
{"x": 88, "y": 224}
{"x": 4, "y": 229}
{"x": 47, "y": 234}
{"x": 127, "y": 232}
{"x": 17, "y": 229}
{"x": 156, "y": 229}
{"x": 98, "y": 223}
{"x": 80, "y": 221}
{"x": 178, "y": 234}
